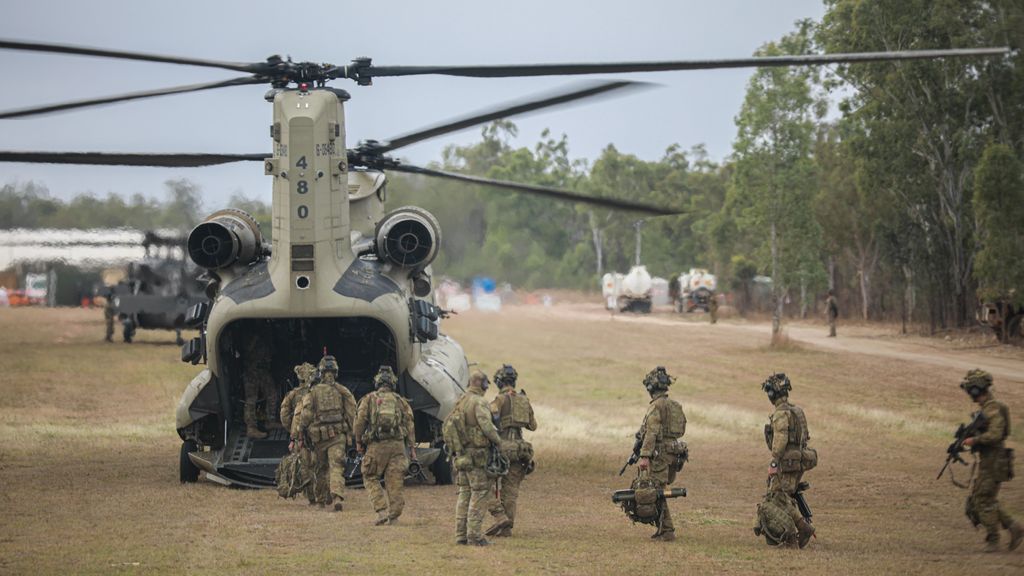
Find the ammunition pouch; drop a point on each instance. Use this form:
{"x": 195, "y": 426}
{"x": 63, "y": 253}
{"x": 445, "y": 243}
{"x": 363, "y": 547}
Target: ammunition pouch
{"x": 463, "y": 462}
{"x": 768, "y": 435}
{"x": 808, "y": 459}
{"x": 792, "y": 461}
{"x": 519, "y": 451}
{"x": 678, "y": 454}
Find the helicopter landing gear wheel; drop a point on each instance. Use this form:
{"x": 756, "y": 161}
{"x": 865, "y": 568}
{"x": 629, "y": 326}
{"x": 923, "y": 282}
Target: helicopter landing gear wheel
{"x": 187, "y": 471}
{"x": 178, "y": 339}
{"x": 442, "y": 470}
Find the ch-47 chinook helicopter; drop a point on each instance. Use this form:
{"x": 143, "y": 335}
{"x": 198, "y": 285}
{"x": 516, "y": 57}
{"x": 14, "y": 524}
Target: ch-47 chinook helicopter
{"x": 340, "y": 274}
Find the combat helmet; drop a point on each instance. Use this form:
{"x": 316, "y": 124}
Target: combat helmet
{"x": 976, "y": 382}
{"x": 305, "y": 372}
{"x": 776, "y": 386}
{"x": 328, "y": 364}
{"x": 385, "y": 377}
{"x": 506, "y": 376}
{"x": 657, "y": 379}
{"x": 479, "y": 379}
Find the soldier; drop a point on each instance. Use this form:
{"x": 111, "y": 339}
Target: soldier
{"x": 289, "y": 406}
{"x": 325, "y": 419}
{"x": 661, "y": 452}
{"x": 713, "y": 308}
{"x": 384, "y": 428}
{"x": 512, "y": 412}
{"x": 475, "y": 435}
{"x": 109, "y": 313}
{"x": 786, "y": 435}
{"x": 995, "y": 463}
{"x": 258, "y": 381}
{"x": 831, "y": 313}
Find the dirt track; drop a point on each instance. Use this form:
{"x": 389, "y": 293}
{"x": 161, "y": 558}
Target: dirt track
{"x": 88, "y": 457}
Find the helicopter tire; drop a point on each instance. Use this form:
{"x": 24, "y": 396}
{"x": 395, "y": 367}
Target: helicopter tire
{"x": 187, "y": 471}
{"x": 442, "y": 471}
{"x": 128, "y": 332}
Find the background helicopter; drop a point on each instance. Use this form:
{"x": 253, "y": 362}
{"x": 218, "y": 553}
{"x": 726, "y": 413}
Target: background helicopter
{"x": 340, "y": 274}
{"x": 158, "y": 290}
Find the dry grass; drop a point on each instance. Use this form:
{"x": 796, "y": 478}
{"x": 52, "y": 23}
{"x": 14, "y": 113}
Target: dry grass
{"x": 88, "y": 460}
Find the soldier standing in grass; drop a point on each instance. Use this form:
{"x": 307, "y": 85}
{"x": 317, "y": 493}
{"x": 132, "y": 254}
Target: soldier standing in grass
{"x": 289, "y": 406}
{"x": 831, "y": 313}
{"x": 786, "y": 435}
{"x": 384, "y": 428}
{"x": 109, "y": 313}
{"x": 512, "y": 412}
{"x": 995, "y": 463}
{"x": 469, "y": 434}
{"x": 662, "y": 453}
{"x": 325, "y": 419}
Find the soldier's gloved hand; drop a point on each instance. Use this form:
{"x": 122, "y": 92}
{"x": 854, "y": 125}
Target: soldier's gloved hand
{"x": 773, "y": 469}
{"x": 644, "y": 463}
{"x": 412, "y": 452}
{"x": 359, "y": 448}
{"x": 291, "y": 446}
{"x": 969, "y": 441}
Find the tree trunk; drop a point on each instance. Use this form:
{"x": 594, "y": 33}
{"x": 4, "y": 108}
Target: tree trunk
{"x": 865, "y": 283}
{"x": 803, "y": 298}
{"x": 598, "y": 245}
{"x": 776, "y": 289}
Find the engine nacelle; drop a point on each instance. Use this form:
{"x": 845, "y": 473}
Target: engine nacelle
{"x": 408, "y": 237}
{"x": 225, "y": 238}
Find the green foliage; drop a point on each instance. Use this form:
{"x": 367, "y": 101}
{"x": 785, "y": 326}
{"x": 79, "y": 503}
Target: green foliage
{"x": 999, "y": 208}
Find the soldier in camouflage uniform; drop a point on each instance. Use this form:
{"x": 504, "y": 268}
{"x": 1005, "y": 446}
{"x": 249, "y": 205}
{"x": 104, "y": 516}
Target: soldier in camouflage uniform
{"x": 289, "y": 406}
{"x": 325, "y": 420}
{"x": 787, "y": 435}
{"x": 384, "y": 428}
{"x": 662, "y": 453}
{"x": 995, "y": 463}
{"x": 472, "y": 417}
{"x": 109, "y": 313}
{"x": 257, "y": 381}
{"x": 512, "y": 412}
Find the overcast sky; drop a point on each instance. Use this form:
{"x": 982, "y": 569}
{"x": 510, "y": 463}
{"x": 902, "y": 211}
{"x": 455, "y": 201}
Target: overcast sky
{"x": 689, "y": 108}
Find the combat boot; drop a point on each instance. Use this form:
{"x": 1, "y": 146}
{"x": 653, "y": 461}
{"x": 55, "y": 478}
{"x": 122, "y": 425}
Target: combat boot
{"x": 805, "y": 530}
{"x": 478, "y": 542}
{"x": 382, "y": 518}
{"x": 666, "y": 536}
{"x": 500, "y": 524}
{"x": 1016, "y": 535}
{"x": 992, "y": 543}
{"x": 337, "y": 502}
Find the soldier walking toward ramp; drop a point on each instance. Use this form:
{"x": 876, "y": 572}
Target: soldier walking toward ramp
{"x": 513, "y": 412}
{"x": 994, "y": 466}
{"x": 325, "y": 420}
{"x": 662, "y": 453}
{"x": 289, "y": 406}
{"x": 469, "y": 434}
{"x": 384, "y": 428}
{"x": 786, "y": 435}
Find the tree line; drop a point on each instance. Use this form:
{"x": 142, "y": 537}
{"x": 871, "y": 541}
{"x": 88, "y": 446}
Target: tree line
{"x": 898, "y": 186}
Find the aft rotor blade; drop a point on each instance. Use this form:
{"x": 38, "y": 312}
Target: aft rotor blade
{"x": 547, "y": 191}
{"x": 122, "y": 55}
{"x": 50, "y": 108}
{"x": 516, "y": 70}
{"x": 117, "y": 159}
{"x": 551, "y": 99}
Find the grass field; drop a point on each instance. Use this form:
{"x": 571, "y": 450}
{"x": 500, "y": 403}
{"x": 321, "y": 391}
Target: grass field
{"x": 89, "y": 455}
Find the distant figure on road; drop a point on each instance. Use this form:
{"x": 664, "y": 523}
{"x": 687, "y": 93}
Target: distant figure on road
{"x": 108, "y": 313}
{"x": 831, "y": 313}
{"x": 713, "y": 308}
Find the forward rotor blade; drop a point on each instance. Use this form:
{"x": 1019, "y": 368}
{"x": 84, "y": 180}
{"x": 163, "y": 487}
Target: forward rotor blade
{"x": 548, "y": 100}
{"x": 119, "y": 54}
{"x": 50, "y": 108}
{"x": 547, "y": 191}
{"x": 117, "y": 159}
{"x": 516, "y": 70}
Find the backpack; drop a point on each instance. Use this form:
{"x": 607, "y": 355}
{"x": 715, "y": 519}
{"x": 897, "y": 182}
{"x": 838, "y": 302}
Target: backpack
{"x": 386, "y": 417}
{"x": 673, "y": 421}
{"x": 328, "y": 405}
{"x": 290, "y": 477}
{"x": 515, "y": 411}
{"x": 773, "y": 522}
{"x": 452, "y": 431}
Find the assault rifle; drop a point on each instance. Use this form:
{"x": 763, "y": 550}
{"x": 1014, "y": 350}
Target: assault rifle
{"x": 977, "y": 425}
{"x": 635, "y": 456}
{"x": 801, "y": 502}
